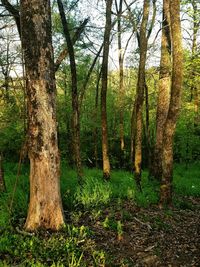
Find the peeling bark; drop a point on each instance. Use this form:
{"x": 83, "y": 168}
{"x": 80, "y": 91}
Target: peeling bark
{"x": 45, "y": 208}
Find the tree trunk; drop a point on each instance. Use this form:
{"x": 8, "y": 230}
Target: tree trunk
{"x": 45, "y": 208}
{"x": 121, "y": 77}
{"x": 106, "y": 161}
{"x": 140, "y": 93}
{"x": 147, "y": 127}
{"x": 174, "y": 106}
{"x": 75, "y": 37}
{"x": 133, "y": 132}
{"x": 194, "y": 87}
{"x": 163, "y": 91}
{"x": 75, "y": 102}
{"x": 95, "y": 134}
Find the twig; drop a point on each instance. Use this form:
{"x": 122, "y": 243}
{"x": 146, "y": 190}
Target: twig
{"x": 24, "y": 232}
{"x": 146, "y": 224}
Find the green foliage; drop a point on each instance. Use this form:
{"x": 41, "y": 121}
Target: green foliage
{"x": 187, "y": 180}
{"x": 11, "y": 127}
{"x": 93, "y": 193}
{"x": 74, "y": 245}
{"x": 43, "y": 249}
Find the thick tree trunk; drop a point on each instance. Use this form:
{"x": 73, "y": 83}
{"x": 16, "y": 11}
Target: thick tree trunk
{"x": 75, "y": 102}
{"x": 163, "y": 91}
{"x": 140, "y": 93}
{"x": 106, "y": 161}
{"x": 45, "y": 208}
{"x": 174, "y": 106}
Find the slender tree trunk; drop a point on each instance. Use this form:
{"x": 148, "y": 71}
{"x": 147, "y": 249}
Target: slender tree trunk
{"x": 75, "y": 37}
{"x": 75, "y": 102}
{"x": 147, "y": 127}
{"x": 45, "y": 208}
{"x": 133, "y": 132}
{"x": 106, "y": 161}
{"x": 194, "y": 87}
{"x": 140, "y": 93}
{"x": 121, "y": 76}
{"x": 174, "y": 106}
{"x": 83, "y": 89}
{"x": 163, "y": 91}
{"x": 95, "y": 121}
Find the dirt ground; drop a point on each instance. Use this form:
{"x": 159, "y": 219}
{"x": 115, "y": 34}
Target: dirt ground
{"x": 149, "y": 237}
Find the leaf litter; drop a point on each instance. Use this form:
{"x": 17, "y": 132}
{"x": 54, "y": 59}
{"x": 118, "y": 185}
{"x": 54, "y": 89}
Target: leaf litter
{"x": 149, "y": 236}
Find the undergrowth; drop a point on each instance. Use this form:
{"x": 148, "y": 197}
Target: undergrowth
{"x": 75, "y": 246}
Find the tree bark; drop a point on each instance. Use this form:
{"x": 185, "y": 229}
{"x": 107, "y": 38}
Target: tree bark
{"x": 95, "y": 134}
{"x": 133, "y": 132}
{"x": 14, "y": 12}
{"x": 45, "y": 208}
{"x": 140, "y": 93}
{"x": 75, "y": 102}
{"x": 174, "y": 106}
{"x": 163, "y": 91}
{"x": 121, "y": 76}
{"x": 194, "y": 87}
{"x": 147, "y": 127}
{"x": 106, "y": 161}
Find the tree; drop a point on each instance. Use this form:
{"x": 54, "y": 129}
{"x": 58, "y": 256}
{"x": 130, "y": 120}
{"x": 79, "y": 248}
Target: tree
{"x": 63, "y": 54}
{"x": 106, "y": 162}
{"x": 121, "y": 74}
{"x": 75, "y": 102}
{"x": 174, "y": 106}
{"x": 14, "y": 12}
{"x": 121, "y": 55}
{"x": 194, "y": 86}
{"x": 163, "y": 90}
{"x": 45, "y": 208}
{"x": 143, "y": 39}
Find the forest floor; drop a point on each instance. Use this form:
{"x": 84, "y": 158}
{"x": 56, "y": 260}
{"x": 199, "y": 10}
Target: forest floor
{"x": 148, "y": 237}
{"x": 108, "y": 224}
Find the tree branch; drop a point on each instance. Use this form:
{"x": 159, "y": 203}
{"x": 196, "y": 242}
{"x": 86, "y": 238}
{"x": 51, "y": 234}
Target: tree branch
{"x": 76, "y": 36}
{"x": 14, "y": 12}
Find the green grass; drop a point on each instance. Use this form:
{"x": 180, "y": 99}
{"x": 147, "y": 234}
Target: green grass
{"x": 187, "y": 181}
{"x": 74, "y": 245}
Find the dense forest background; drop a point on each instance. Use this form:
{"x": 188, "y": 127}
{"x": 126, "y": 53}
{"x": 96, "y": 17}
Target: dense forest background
{"x": 110, "y": 112}
{"x": 13, "y": 101}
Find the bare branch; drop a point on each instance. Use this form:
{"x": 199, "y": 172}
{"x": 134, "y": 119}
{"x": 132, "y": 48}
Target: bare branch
{"x": 14, "y": 12}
